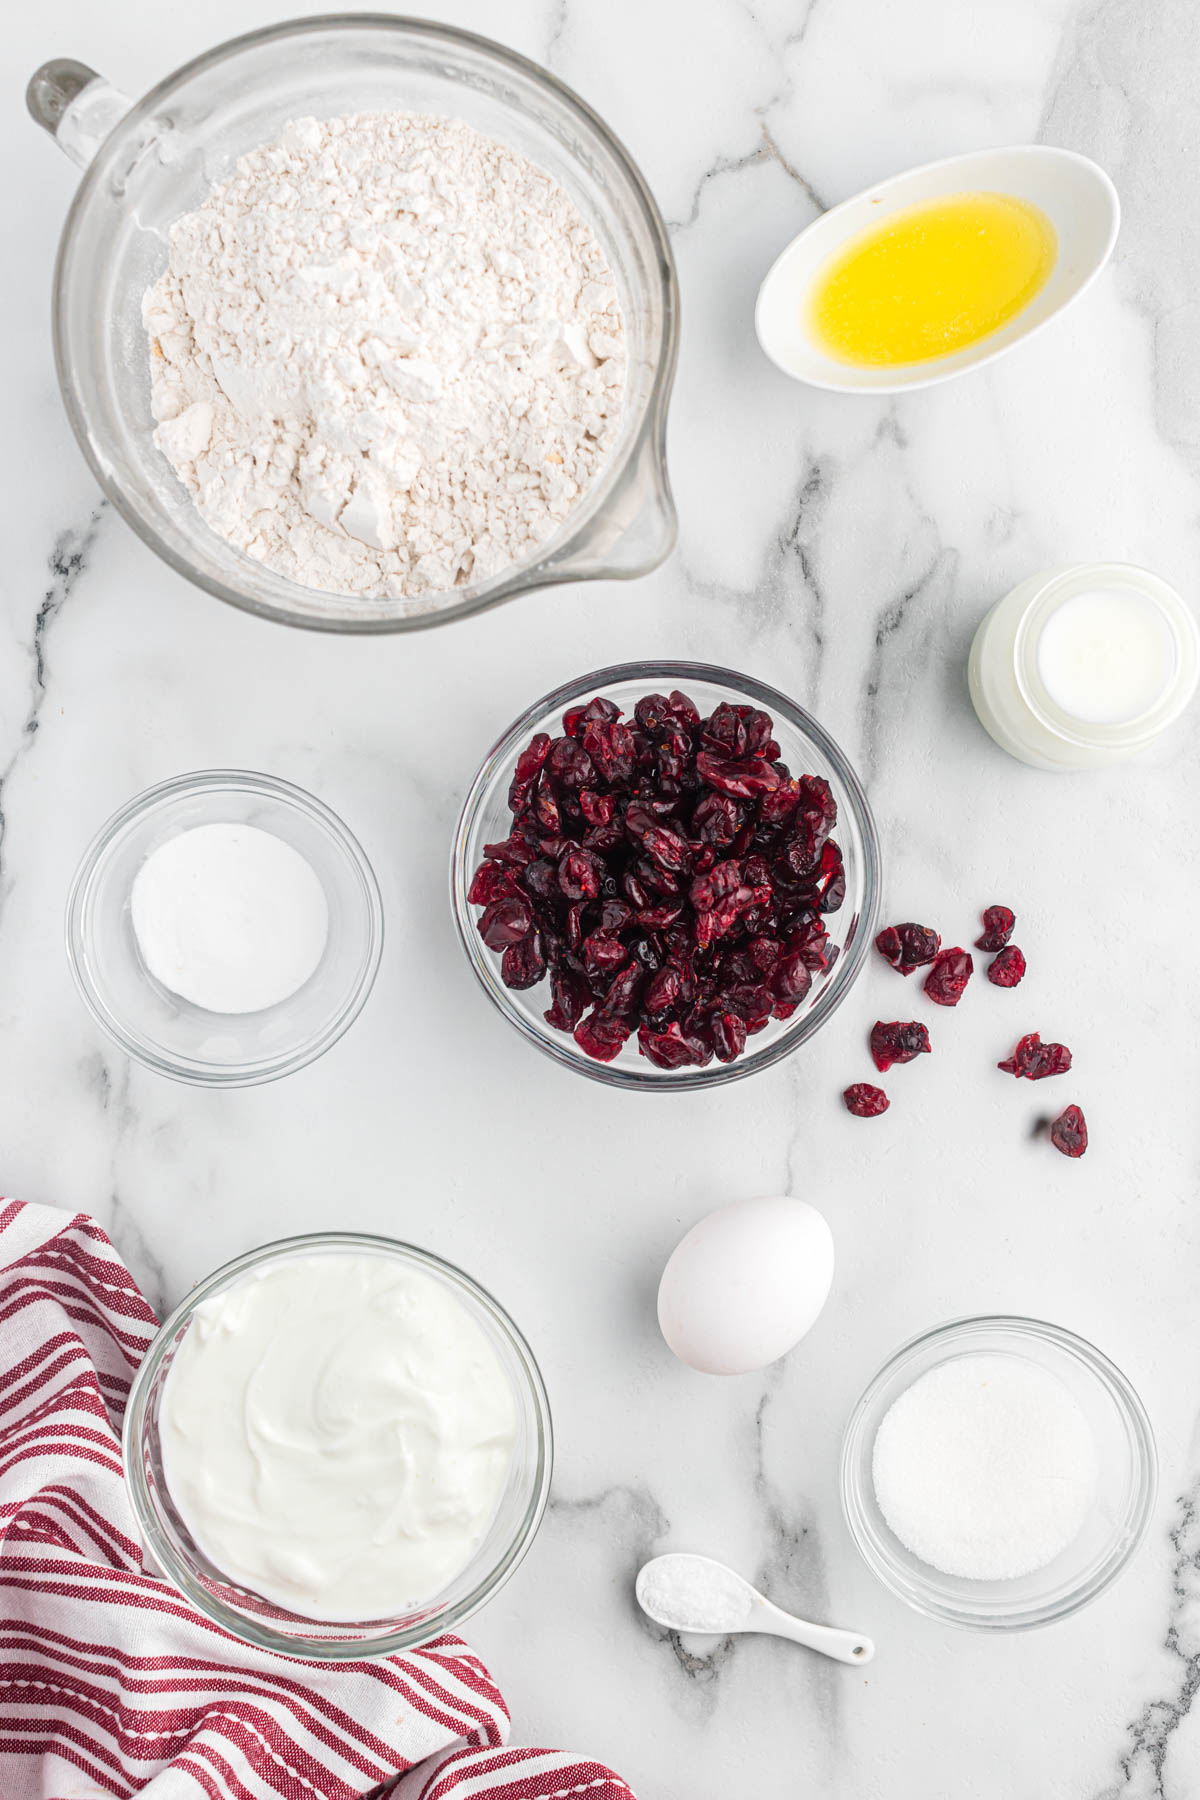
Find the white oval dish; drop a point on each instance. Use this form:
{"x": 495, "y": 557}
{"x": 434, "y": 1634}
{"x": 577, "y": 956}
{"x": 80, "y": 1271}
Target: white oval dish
{"x": 1076, "y": 195}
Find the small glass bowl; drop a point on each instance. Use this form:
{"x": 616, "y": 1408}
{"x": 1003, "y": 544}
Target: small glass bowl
{"x": 805, "y": 747}
{"x": 1126, "y": 1480}
{"x": 259, "y": 1621}
{"x": 164, "y": 1031}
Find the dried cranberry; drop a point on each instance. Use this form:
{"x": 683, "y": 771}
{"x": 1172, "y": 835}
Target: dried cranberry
{"x": 545, "y": 809}
{"x": 523, "y": 965}
{"x": 817, "y": 802}
{"x": 898, "y": 1042}
{"x": 597, "y": 809}
{"x": 491, "y": 881}
{"x": 833, "y": 878}
{"x": 577, "y": 718}
{"x": 685, "y": 712}
{"x": 570, "y": 994}
{"x": 908, "y": 947}
{"x": 670, "y": 1048}
{"x": 716, "y": 819}
{"x": 725, "y": 731}
{"x": 741, "y": 779}
{"x": 1069, "y": 1132}
{"x": 1007, "y": 968}
{"x": 791, "y": 977}
{"x": 751, "y": 1003}
{"x": 666, "y": 848}
{"x": 865, "y": 1101}
{"x": 529, "y": 767}
{"x": 568, "y": 765}
{"x": 729, "y": 1036}
{"x": 579, "y": 874}
{"x": 506, "y": 921}
{"x": 614, "y": 915}
{"x": 778, "y": 806}
{"x": 998, "y": 922}
{"x": 662, "y": 991}
{"x": 946, "y": 982}
{"x": 611, "y": 748}
{"x": 603, "y": 953}
{"x": 622, "y": 995}
{"x": 816, "y": 950}
{"x": 1036, "y": 1060}
{"x": 513, "y": 850}
{"x": 601, "y": 1036}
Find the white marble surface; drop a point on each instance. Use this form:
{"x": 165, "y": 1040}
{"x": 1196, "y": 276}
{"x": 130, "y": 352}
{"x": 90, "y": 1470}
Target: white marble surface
{"x": 845, "y": 550}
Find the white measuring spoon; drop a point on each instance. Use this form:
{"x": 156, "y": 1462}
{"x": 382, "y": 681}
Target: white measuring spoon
{"x": 731, "y": 1604}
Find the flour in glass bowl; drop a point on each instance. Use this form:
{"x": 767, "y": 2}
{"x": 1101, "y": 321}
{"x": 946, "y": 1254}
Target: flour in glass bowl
{"x": 387, "y": 356}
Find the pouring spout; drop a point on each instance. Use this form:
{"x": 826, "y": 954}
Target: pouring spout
{"x": 635, "y": 530}
{"x": 75, "y": 105}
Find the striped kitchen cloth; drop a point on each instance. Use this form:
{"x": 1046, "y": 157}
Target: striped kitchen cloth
{"x": 110, "y": 1684}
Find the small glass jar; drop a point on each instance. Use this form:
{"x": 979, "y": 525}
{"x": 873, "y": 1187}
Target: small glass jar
{"x": 1084, "y": 666}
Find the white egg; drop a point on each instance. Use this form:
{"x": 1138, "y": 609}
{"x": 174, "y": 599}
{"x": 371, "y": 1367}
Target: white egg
{"x": 745, "y": 1284}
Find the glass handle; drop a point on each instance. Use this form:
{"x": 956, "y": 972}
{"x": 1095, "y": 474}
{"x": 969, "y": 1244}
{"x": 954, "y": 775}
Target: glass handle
{"x": 76, "y": 106}
{"x": 636, "y": 529}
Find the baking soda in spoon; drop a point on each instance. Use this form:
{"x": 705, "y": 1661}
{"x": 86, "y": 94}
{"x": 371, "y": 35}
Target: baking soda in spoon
{"x": 229, "y": 917}
{"x": 694, "y": 1593}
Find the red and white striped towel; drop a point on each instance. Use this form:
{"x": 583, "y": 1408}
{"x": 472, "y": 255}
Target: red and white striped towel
{"x": 112, "y": 1685}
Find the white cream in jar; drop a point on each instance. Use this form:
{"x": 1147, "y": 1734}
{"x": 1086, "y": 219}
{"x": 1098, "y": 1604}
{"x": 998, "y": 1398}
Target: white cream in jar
{"x": 1084, "y": 666}
{"x": 337, "y": 1432}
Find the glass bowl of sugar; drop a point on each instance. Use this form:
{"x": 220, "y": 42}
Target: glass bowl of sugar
{"x": 998, "y": 1473}
{"x": 224, "y": 928}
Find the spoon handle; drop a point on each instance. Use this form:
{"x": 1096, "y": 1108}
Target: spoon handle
{"x": 843, "y": 1646}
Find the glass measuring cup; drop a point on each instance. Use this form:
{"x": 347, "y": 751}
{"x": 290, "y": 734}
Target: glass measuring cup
{"x": 146, "y": 163}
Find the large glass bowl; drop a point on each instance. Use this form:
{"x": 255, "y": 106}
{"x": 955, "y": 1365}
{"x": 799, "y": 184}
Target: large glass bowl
{"x": 1126, "y": 1480}
{"x": 806, "y": 748}
{"x": 145, "y": 164}
{"x": 259, "y": 1621}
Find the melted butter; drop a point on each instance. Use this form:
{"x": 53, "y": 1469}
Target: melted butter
{"x": 932, "y": 279}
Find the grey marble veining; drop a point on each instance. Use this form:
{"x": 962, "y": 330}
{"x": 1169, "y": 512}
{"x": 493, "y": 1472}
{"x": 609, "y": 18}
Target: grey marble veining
{"x": 845, "y": 550}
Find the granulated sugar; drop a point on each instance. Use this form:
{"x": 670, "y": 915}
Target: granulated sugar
{"x": 985, "y": 1467}
{"x": 387, "y": 356}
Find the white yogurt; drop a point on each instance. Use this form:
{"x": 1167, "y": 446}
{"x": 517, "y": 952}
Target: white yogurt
{"x": 1107, "y": 655}
{"x": 1084, "y": 666}
{"x": 337, "y": 1432}
{"x": 229, "y": 917}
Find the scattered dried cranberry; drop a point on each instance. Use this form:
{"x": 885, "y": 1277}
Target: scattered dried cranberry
{"x": 897, "y": 1043}
{"x": 946, "y": 982}
{"x": 1069, "y": 1132}
{"x": 908, "y": 947}
{"x": 998, "y": 922}
{"x": 865, "y": 1101}
{"x": 1036, "y": 1060}
{"x": 1007, "y": 969}
{"x": 670, "y": 876}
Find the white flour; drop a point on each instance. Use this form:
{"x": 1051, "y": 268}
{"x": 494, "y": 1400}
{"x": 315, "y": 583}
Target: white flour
{"x": 386, "y": 356}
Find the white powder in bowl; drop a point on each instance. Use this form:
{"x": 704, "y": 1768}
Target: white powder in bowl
{"x": 387, "y": 356}
{"x": 229, "y": 917}
{"x": 985, "y": 1467}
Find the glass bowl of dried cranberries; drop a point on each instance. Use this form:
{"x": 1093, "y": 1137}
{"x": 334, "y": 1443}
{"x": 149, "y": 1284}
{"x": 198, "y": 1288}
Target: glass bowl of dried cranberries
{"x": 666, "y": 875}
